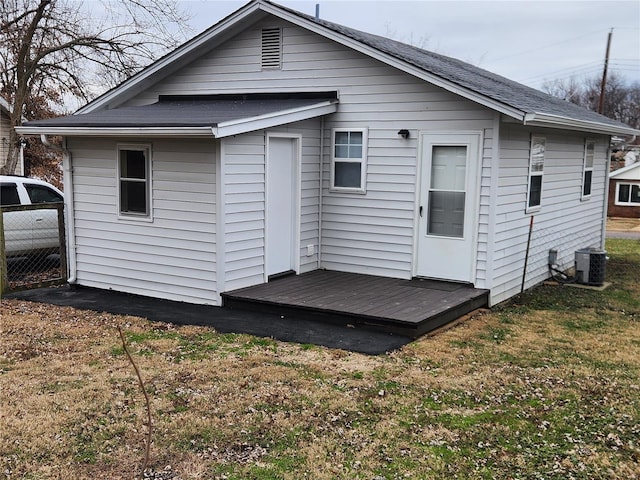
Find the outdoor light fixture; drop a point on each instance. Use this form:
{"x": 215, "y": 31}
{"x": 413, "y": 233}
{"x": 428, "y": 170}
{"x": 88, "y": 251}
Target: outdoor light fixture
{"x": 404, "y": 133}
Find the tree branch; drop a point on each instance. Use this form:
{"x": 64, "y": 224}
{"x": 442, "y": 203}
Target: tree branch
{"x": 146, "y": 399}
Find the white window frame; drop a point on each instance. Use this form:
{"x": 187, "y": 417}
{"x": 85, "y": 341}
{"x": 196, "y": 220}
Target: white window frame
{"x": 148, "y": 215}
{"x": 361, "y": 160}
{"x": 631, "y": 183}
{"x": 587, "y": 166}
{"x": 534, "y": 172}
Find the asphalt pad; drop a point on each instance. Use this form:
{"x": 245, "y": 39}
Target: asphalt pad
{"x": 223, "y": 320}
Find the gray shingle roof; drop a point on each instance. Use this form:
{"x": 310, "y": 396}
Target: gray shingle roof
{"x": 514, "y": 99}
{"x": 185, "y": 111}
{"x": 467, "y": 76}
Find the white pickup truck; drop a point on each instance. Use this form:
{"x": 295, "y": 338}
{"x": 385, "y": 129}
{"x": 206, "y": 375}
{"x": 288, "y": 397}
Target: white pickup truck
{"x": 29, "y": 232}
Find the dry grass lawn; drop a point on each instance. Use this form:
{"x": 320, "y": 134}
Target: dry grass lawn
{"x": 545, "y": 387}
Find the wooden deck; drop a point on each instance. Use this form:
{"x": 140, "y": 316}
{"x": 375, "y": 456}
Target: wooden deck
{"x": 405, "y": 307}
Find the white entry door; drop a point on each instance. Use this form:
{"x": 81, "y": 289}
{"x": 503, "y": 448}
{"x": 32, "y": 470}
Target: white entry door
{"x": 448, "y": 206}
{"x": 282, "y": 187}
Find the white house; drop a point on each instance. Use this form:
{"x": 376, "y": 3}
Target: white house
{"x": 277, "y": 142}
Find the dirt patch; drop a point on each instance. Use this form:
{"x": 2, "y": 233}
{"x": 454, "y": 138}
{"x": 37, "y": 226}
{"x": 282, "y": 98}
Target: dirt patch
{"x": 622, "y": 224}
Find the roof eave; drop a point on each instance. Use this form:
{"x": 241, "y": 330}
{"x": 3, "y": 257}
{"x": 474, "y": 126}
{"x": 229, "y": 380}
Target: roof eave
{"x": 623, "y": 171}
{"x": 220, "y": 130}
{"x": 537, "y": 119}
{"x": 273, "y": 119}
{"x": 68, "y": 131}
{"x": 4, "y": 106}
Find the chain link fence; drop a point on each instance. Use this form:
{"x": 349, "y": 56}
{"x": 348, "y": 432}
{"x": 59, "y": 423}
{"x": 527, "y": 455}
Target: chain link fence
{"x": 32, "y": 247}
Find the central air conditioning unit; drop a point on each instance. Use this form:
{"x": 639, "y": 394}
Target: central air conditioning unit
{"x": 590, "y": 266}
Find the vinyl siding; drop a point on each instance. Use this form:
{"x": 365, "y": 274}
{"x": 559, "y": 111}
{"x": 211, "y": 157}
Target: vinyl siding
{"x": 564, "y": 221}
{"x": 310, "y": 191}
{"x": 243, "y": 194}
{"x": 371, "y": 233}
{"x": 486, "y": 200}
{"x": 171, "y": 257}
{"x": 243, "y": 164}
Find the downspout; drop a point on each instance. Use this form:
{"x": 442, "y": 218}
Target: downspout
{"x": 320, "y": 193}
{"x": 68, "y": 205}
{"x": 21, "y": 157}
{"x": 605, "y": 201}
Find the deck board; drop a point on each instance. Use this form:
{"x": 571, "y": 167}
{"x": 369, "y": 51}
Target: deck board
{"x": 408, "y": 306}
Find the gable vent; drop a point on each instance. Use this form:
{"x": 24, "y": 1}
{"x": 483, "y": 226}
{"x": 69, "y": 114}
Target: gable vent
{"x": 271, "y": 48}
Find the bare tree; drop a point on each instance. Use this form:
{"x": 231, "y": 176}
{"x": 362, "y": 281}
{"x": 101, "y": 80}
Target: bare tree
{"x": 569, "y": 90}
{"x": 410, "y": 39}
{"x": 54, "y": 50}
{"x": 632, "y": 106}
{"x": 41, "y": 161}
{"x": 621, "y": 99}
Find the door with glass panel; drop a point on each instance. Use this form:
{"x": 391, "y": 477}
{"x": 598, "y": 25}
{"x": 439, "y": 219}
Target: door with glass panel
{"x": 447, "y": 209}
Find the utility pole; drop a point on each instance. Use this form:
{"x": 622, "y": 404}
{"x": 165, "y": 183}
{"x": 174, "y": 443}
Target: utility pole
{"x": 604, "y": 73}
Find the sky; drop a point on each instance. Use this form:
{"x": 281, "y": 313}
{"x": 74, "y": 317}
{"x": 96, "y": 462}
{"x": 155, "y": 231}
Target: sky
{"x": 528, "y": 41}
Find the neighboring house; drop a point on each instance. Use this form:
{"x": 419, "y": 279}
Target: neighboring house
{"x": 624, "y": 192}
{"x": 5, "y": 128}
{"x": 277, "y": 142}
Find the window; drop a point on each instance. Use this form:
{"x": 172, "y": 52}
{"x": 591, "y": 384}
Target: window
{"x": 348, "y": 163}
{"x": 587, "y": 174}
{"x": 271, "y": 48}
{"x": 134, "y": 180}
{"x": 628, "y": 194}
{"x": 42, "y": 194}
{"x": 536, "y": 166}
{"x": 9, "y": 194}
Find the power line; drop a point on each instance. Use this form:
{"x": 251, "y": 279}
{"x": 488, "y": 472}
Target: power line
{"x": 568, "y": 71}
{"x": 581, "y": 69}
{"x": 538, "y": 48}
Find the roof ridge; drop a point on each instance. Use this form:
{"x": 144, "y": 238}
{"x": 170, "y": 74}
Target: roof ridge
{"x": 518, "y": 101}
{"x": 468, "y": 80}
